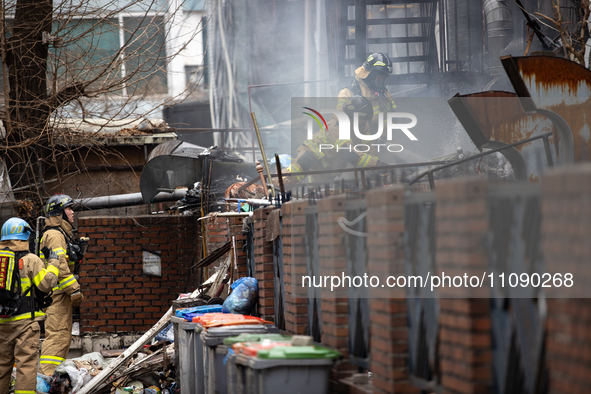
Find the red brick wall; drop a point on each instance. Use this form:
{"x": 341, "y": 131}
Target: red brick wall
{"x": 118, "y": 297}
{"x": 218, "y": 231}
{"x": 389, "y": 329}
{"x": 566, "y": 225}
{"x": 294, "y": 266}
{"x": 465, "y": 337}
{"x": 263, "y": 258}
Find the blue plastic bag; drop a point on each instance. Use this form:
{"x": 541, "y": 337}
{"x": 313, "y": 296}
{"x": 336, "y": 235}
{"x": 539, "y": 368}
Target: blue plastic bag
{"x": 43, "y": 384}
{"x": 244, "y": 296}
{"x": 167, "y": 334}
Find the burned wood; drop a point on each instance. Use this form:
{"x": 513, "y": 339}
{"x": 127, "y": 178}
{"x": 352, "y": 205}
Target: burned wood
{"x": 133, "y": 349}
{"x": 154, "y": 362}
{"x": 221, "y": 274}
{"x": 279, "y": 174}
{"x": 216, "y": 254}
{"x": 112, "y": 353}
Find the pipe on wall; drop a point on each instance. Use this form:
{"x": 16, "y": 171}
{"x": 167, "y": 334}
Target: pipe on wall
{"x": 124, "y": 200}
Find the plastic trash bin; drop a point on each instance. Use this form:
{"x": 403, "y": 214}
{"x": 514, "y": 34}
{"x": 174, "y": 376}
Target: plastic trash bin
{"x": 184, "y": 344}
{"x": 236, "y": 373}
{"x": 294, "y": 369}
{"x": 215, "y": 377}
{"x": 200, "y": 354}
{"x": 199, "y": 360}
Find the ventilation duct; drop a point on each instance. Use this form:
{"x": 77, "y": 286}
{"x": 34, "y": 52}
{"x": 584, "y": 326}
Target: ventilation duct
{"x": 499, "y": 25}
{"x": 177, "y": 164}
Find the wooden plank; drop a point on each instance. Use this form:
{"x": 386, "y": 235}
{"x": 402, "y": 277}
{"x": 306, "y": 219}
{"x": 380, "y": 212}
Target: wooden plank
{"x": 133, "y": 349}
{"x": 112, "y": 353}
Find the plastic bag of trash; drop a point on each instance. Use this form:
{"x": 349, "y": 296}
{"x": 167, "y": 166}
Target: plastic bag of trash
{"x": 243, "y": 298}
{"x": 75, "y": 373}
{"x": 43, "y": 383}
{"x": 167, "y": 334}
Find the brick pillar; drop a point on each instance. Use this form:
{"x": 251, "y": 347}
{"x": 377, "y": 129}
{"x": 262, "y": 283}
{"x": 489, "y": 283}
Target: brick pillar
{"x": 294, "y": 266}
{"x": 334, "y": 304}
{"x": 566, "y": 225}
{"x": 389, "y": 329}
{"x": 465, "y": 336}
{"x": 263, "y": 257}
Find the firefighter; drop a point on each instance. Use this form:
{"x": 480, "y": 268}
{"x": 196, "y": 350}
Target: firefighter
{"x": 368, "y": 96}
{"x": 19, "y": 333}
{"x": 57, "y": 236}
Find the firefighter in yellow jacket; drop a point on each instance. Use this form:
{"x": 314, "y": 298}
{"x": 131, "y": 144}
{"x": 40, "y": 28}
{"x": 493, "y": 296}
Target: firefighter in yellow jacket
{"x": 19, "y": 330}
{"x": 57, "y": 236}
{"x": 366, "y": 95}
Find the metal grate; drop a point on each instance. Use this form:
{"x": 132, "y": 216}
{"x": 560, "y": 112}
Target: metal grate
{"x": 358, "y": 305}
{"x": 517, "y": 323}
{"x": 313, "y": 268}
{"x": 423, "y": 313}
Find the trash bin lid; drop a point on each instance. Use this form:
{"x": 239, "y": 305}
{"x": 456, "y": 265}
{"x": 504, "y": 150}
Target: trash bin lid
{"x": 227, "y": 319}
{"x": 297, "y": 352}
{"x": 198, "y": 309}
{"x": 182, "y": 324}
{"x": 215, "y": 336}
{"x": 252, "y": 349}
{"x": 245, "y": 337}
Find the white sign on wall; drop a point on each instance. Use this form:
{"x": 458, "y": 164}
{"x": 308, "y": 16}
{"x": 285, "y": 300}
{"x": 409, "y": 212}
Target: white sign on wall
{"x": 152, "y": 263}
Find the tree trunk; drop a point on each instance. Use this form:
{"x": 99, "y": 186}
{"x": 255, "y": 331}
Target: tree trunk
{"x": 27, "y": 76}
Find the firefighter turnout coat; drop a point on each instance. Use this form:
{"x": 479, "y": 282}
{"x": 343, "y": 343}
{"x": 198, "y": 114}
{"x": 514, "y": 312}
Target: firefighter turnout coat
{"x": 19, "y": 334}
{"x": 329, "y": 159}
{"x": 58, "y": 326}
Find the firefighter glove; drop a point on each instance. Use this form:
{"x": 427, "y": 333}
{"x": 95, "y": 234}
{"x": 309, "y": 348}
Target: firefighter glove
{"x": 52, "y": 255}
{"x": 77, "y": 298}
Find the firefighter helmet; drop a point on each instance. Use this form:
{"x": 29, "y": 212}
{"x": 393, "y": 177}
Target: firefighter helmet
{"x": 57, "y": 204}
{"x": 379, "y": 62}
{"x": 16, "y": 228}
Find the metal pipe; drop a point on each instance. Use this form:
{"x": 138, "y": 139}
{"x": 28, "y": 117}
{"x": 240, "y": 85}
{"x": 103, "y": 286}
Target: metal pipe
{"x": 253, "y": 201}
{"x": 344, "y": 170}
{"x": 454, "y": 163}
{"x": 228, "y": 215}
{"x": 567, "y": 150}
{"x": 124, "y": 200}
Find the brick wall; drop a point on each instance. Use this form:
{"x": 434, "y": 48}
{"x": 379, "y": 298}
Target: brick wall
{"x": 118, "y": 296}
{"x": 389, "y": 330}
{"x": 465, "y": 337}
{"x": 566, "y": 225}
{"x": 294, "y": 263}
{"x": 218, "y": 231}
{"x": 263, "y": 257}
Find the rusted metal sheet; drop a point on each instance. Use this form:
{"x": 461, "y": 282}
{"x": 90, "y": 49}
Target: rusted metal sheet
{"x": 496, "y": 117}
{"x": 547, "y": 76}
{"x": 561, "y": 86}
